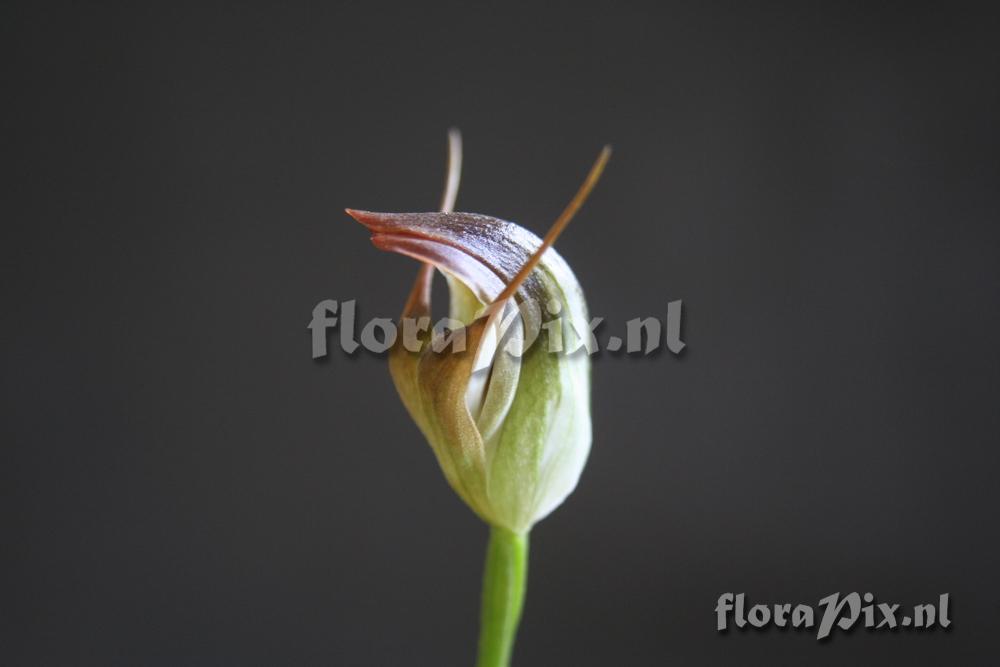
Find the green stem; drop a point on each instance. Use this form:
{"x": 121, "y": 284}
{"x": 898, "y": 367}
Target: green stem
{"x": 503, "y": 596}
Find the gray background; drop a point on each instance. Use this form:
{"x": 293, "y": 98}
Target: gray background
{"x": 182, "y": 485}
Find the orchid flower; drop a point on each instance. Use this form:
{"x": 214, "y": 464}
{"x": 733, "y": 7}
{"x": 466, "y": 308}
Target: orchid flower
{"x": 508, "y": 418}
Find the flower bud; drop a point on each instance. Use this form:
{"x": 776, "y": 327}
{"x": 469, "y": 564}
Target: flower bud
{"x": 508, "y": 418}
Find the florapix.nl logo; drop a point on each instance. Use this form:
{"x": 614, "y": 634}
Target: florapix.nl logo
{"x": 517, "y": 329}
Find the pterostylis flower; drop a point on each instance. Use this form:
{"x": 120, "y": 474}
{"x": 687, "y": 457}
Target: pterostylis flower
{"x": 507, "y": 409}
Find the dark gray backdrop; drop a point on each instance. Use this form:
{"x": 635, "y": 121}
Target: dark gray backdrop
{"x": 183, "y": 485}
